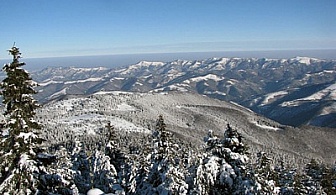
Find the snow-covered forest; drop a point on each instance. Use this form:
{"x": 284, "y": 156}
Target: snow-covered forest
{"x": 124, "y": 143}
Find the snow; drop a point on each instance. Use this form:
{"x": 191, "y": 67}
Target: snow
{"x": 117, "y": 78}
{"x": 266, "y": 126}
{"x": 247, "y": 109}
{"x": 186, "y": 81}
{"x": 84, "y": 81}
{"x": 303, "y": 60}
{"x": 95, "y": 191}
{"x": 211, "y": 169}
{"x": 5, "y": 132}
{"x": 49, "y": 82}
{"x": 139, "y": 65}
{"x": 224, "y": 60}
{"x": 269, "y": 98}
{"x": 329, "y": 109}
{"x": 89, "y": 69}
{"x": 177, "y": 88}
{"x": 84, "y": 116}
{"x": 231, "y": 81}
{"x": 207, "y": 77}
{"x": 27, "y": 136}
{"x": 226, "y": 174}
{"x": 113, "y": 93}
{"x": 215, "y": 92}
{"x": 59, "y": 93}
{"x": 90, "y": 124}
{"x": 125, "y": 107}
{"x": 196, "y": 65}
{"x": 328, "y": 92}
{"x": 148, "y": 63}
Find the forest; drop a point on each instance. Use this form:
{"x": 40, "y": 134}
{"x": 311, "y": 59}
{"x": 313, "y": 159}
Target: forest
{"x": 156, "y": 162}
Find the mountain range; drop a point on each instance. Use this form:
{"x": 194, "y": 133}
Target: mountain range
{"x": 297, "y": 91}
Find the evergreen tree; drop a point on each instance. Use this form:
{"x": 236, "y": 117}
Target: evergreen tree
{"x": 19, "y": 143}
{"x": 58, "y": 177}
{"x": 112, "y": 148}
{"x": 103, "y": 174}
{"x": 222, "y": 168}
{"x": 117, "y": 164}
{"x": 81, "y": 166}
{"x": 265, "y": 174}
{"x": 287, "y": 178}
{"x": 313, "y": 176}
{"x": 164, "y": 177}
{"x": 329, "y": 180}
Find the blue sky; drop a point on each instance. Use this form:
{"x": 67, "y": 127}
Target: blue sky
{"x": 57, "y": 28}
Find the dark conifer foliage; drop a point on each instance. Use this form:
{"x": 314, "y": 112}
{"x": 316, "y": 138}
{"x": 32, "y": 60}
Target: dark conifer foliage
{"x": 19, "y": 142}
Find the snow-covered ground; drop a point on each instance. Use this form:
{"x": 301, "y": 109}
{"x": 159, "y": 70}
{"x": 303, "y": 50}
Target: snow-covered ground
{"x": 207, "y": 77}
{"x": 329, "y": 92}
{"x": 271, "y": 97}
{"x": 189, "y": 115}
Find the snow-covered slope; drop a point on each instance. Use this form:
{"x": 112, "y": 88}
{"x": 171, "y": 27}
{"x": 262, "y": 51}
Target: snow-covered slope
{"x": 260, "y": 84}
{"x": 188, "y": 115}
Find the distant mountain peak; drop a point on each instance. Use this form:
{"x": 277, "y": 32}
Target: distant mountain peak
{"x": 149, "y": 63}
{"x": 304, "y": 60}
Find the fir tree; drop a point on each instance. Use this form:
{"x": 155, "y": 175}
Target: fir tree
{"x": 18, "y": 170}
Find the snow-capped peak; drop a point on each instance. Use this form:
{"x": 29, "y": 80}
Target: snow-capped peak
{"x": 303, "y": 60}
{"x": 147, "y": 63}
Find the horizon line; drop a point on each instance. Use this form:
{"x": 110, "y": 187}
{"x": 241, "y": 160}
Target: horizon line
{"x": 184, "y": 52}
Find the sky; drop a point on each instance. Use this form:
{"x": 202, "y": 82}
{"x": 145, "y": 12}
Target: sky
{"x": 58, "y": 28}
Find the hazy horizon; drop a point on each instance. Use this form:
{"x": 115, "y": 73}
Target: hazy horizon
{"x": 44, "y": 29}
{"x": 112, "y": 61}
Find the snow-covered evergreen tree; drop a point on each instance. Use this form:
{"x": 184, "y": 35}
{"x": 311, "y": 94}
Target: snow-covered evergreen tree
{"x": 287, "y": 178}
{"x": 116, "y": 165}
{"x": 81, "y": 166}
{"x": 140, "y": 169}
{"x": 222, "y": 169}
{"x": 329, "y": 180}
{"x": 165, "y": 176}
{"x": 265, "y": 174}
{"x": 103, "y": 175}
{"x": 58, "y": 177}
{"x": 19, "y": 146}
{"x": 311, "y": 181}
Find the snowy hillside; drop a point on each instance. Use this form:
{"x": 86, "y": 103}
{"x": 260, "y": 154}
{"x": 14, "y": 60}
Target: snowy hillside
{"x": 188, "y": 115}
{"x": 264, "y": 85}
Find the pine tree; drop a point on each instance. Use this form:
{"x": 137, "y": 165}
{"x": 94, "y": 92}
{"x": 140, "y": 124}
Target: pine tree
{"x": 19, "y": 171}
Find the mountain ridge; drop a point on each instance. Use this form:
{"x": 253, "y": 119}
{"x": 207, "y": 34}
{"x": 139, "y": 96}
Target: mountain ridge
{"x": 267, "y": 86}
